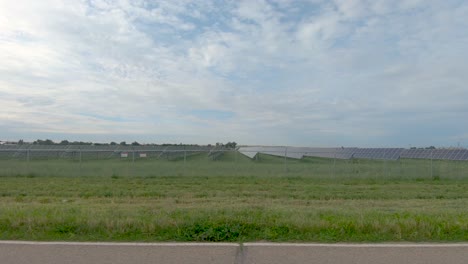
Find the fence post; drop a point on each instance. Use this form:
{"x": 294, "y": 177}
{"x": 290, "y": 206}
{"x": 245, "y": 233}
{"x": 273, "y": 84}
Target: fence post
{"x": 28, "y": 170}
{"x": 334, "y": 164}
{"x": 185, "y": 160}
{"x": 80, "y": 161}
{"x": 133, "y": 162}
{"x": 285, "y": 161}
{"x": 385, "y": 162}
{"x": 235, "y": 169}
{"x": 400, "y": 169}
{"x": 432, "y": 169}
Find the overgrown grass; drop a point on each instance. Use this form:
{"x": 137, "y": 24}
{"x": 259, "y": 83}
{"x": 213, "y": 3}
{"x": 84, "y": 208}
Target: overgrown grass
{"x": 182, "y": 208}
{"x": 233, "y": 199}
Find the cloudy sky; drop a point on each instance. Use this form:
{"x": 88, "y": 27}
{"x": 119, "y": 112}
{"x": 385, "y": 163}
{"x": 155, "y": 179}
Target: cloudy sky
{"x": 304, "y": 73}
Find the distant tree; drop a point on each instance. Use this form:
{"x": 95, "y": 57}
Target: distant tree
{"x": 431, "y": 147}
{"x": 64, "y": 142}
{"x": 81, "y": 143}
{"x": 135, "y": 144}
{"x": 20, "y": 142}
{"x": 231, "y": 145}
{"x": 123, "y": 143}
{"x": 113, "y": 143}
{"x": 44, "y": 142}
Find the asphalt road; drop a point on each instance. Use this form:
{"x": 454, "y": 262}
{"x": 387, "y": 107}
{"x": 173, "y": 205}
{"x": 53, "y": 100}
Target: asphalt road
{"x": 116, "y": 253}
{"x": 15, "y": 252}
{"x": 260, "y": 253}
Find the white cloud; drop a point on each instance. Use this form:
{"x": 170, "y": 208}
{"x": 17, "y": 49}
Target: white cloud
{"x": 289, "y": 71}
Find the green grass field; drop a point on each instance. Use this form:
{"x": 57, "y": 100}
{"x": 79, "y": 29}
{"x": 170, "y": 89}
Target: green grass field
{"x": 234, "y": 199}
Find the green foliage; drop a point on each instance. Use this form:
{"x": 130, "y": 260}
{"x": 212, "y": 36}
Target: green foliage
{"x": 244, "y": 208}
{"x": 44, "y": 142}
{"x": 231, "y": 145}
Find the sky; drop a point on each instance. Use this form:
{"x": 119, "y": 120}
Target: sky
{"x": 302, "y": 73}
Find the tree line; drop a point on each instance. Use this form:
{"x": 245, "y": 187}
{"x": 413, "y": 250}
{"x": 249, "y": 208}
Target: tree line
{"x": 123, "y": 143}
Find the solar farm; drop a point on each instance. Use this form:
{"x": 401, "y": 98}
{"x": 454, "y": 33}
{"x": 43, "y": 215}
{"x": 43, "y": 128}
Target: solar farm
{"x": 250, "y": 193}
{"x": 120, "y": 160}
{"x": 73, "y": 152}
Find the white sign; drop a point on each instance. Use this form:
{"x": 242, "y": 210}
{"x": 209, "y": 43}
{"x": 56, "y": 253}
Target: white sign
{"x": 124, "y": 155}
{"x": 142, "y": 155}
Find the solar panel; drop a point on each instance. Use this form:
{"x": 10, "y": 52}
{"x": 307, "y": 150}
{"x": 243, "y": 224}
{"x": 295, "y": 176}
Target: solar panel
{"x": 440, "y": 154}
{"x": 250, "y": 152}
{"x": 444, "y": 154}
{"x": 416, "y": 153}
{"x": 378, "y": 153}
{"x": 426, "y": 153}
{"x": 406, "y": 153}
{"x": 454, "y": 154}
{"x": 339, "y": 153}
{"x": 457, "y": 154}
{"x": 449, "y": 153}
{"x": 281, "y": 152}
{"x": 462, "y": 154}
{"x": 395, "y": 154}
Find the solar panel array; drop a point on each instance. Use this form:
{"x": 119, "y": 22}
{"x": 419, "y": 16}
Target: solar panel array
{"x": 298, "y": 152}
{"x": 357, "y": 153}
{"x": 338, "y": 153}
{"x": 289, "y": 152}
{"x": 378, "y": 153}
{"x": 30, "y": 151}
{"x": 440, "y": 154}
{"x": 174, "y": 152}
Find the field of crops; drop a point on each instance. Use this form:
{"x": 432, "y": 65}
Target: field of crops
{"x": 234, "y": 199}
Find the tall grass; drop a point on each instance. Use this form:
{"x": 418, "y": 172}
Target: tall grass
{"x": 234, "y": 199}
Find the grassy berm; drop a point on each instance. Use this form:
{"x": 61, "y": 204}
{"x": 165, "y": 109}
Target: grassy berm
{"x": 241, "y": 208}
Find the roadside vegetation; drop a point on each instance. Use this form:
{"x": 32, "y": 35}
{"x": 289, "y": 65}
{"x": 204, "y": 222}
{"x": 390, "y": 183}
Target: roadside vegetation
{"x": 233, "y": 199}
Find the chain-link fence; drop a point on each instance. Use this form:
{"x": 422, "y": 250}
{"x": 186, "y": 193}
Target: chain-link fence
{"x": 340, "y": 163}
